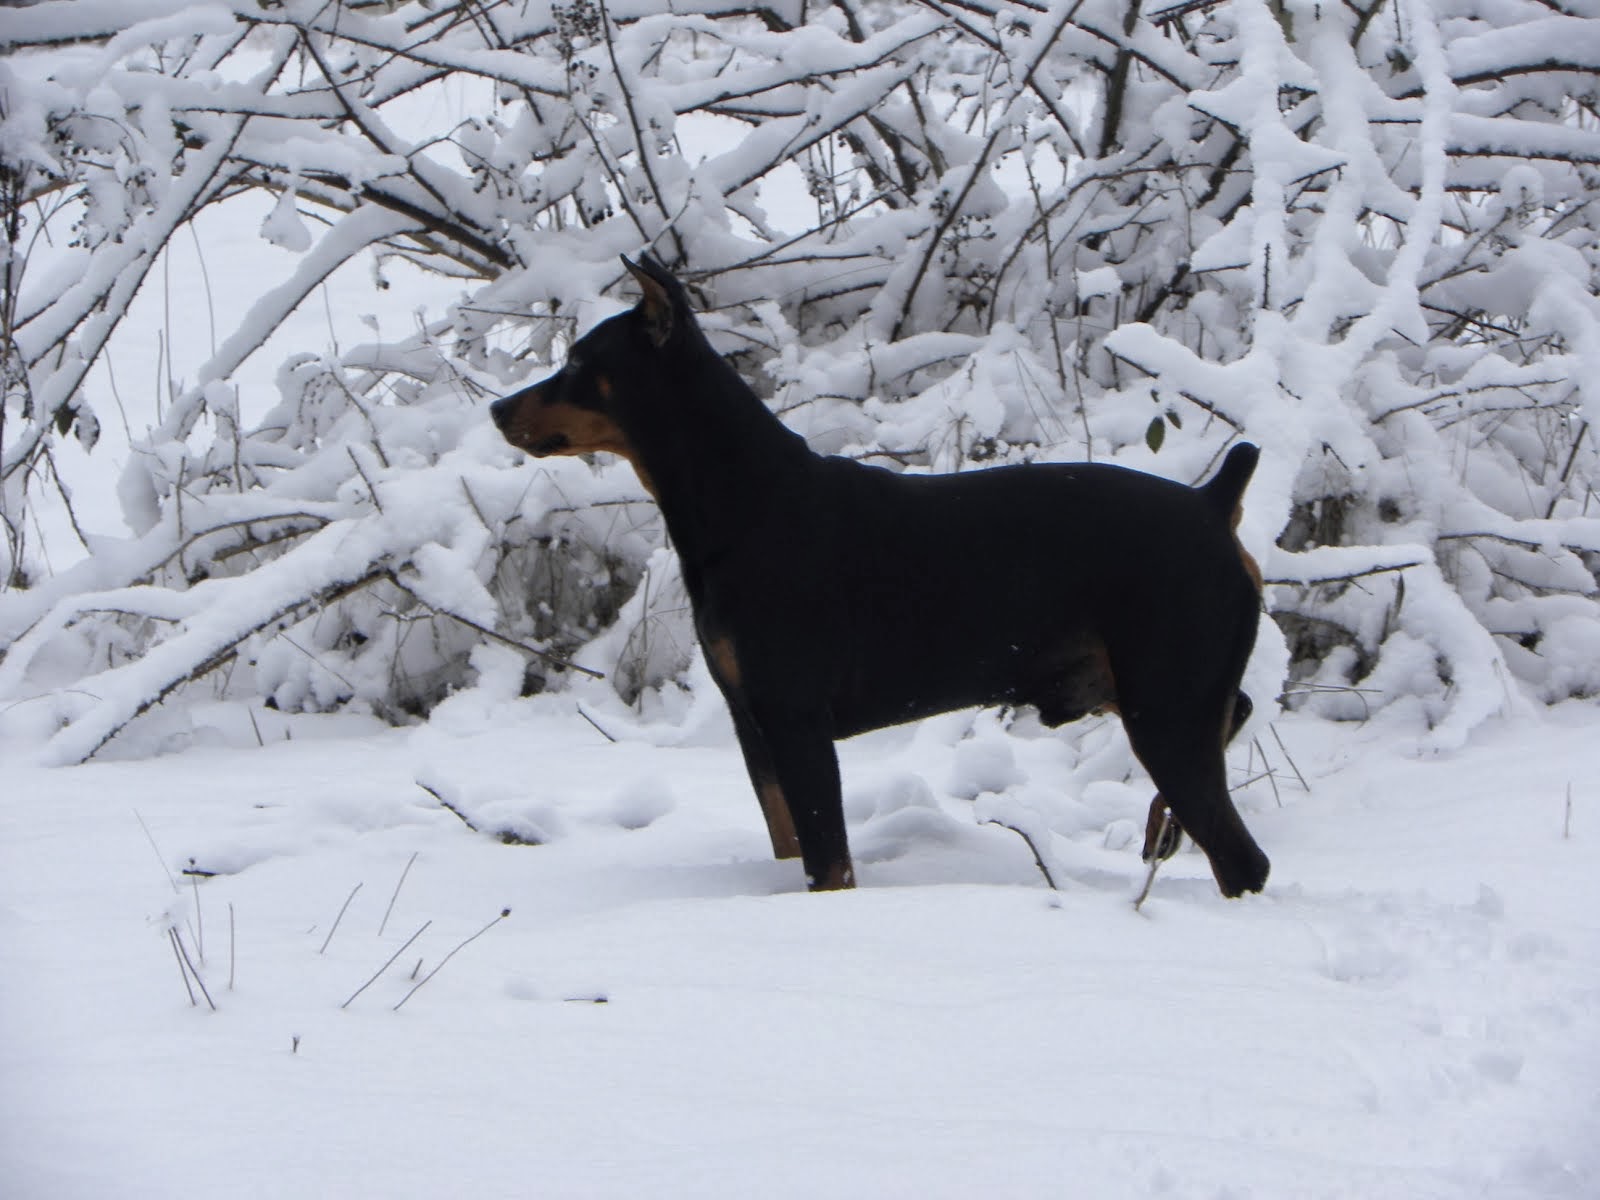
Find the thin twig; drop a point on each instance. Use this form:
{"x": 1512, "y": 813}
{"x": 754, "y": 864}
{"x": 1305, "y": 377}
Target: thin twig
{"x": 1155, "y": 862}
{"x": 601, "y": 728}
{"x": 172, "y": 936}
{"x": 1037, "y": 857}
{"x": 460, "y": 816}
{"x": 382, "y": 924}
{"x": 199, "y": 917}
{"x": 388, "y": 964}
{"x": 554, "y": 660}
{"x": 150, "y": 837}
{"x": 184, "y": 952}
{"x": 372, "y": 488}
{"x": 1273, "y": 729}
{"x": 1345, "y": 578}
{"x": 340, "y": 917}
{"x": 504, "y": 913}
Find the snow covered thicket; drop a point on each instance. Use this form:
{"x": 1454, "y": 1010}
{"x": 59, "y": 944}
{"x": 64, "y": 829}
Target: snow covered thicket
{"x": 1361, "y": 235}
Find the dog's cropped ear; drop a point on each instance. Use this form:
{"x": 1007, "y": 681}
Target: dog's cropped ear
{"x": 658, "y": 304}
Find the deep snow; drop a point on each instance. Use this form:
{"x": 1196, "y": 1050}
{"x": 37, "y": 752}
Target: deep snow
{"x": 1408, "y": 1011}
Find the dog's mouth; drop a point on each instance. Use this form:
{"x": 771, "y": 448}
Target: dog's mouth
{"x": 554, "y": 444}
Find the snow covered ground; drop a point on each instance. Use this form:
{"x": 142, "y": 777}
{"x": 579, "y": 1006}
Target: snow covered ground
{"x": 1408, "y": 1011}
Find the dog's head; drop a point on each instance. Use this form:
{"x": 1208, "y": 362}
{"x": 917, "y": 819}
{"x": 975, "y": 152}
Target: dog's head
{"x": 590, "y": 404}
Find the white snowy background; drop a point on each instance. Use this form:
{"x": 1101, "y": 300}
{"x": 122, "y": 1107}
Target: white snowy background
{"x": 274, "y": 591}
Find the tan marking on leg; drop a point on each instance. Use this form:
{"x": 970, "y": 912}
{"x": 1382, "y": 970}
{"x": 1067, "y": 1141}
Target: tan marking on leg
{"x": 1161, "y": 839}
{"x": 720, "y": 652}
{"x": 780, "y": 821}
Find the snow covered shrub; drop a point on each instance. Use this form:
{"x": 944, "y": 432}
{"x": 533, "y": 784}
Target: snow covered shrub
{"x": 935, "y": 234}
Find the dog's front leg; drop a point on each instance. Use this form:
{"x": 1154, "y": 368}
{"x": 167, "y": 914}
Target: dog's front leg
{"x": 764, "y": 778}
{"x": 805, "y": 783}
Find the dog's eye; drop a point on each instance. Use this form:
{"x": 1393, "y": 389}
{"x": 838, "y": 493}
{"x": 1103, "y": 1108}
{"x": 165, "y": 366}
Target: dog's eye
{"x": 573, "y": 366}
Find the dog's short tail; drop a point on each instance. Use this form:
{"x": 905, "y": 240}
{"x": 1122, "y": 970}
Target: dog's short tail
{"x": 1225, "y": 489}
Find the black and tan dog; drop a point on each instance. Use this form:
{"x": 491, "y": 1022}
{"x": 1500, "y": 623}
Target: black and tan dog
{"x": 832, "y": 597}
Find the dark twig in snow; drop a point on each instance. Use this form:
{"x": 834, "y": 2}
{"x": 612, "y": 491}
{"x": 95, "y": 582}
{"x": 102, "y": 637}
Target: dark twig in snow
{"x": 504, "y": 913}
{"x": 1273, "y": 729}
{"x": 172, "y": 936}
{"x": 183, "y": 951}
{"x": 601, "y": 728}
{"x": 199, "y": 917}
{"x": 340, "y": 917}
{"x": 553, "y": 659}
{"x": 382, "y": 924}
{"x": 387, "y": 964}
{"x": 1155, "y": 863}
{"x": 1038, "y": 858}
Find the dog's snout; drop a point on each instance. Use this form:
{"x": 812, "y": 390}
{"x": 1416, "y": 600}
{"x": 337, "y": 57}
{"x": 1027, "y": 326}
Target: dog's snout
{"x": 500, "y": 412}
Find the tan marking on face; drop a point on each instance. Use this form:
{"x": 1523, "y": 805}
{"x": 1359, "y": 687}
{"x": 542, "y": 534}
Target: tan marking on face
{"x": 586, "y": 432}
{"x": 780, "y": 821}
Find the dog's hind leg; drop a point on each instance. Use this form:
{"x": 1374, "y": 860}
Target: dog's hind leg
{"x": 1162, "y": 833}
{"x": 1182, "y": 748}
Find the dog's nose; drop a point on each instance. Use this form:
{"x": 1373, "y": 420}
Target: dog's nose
{"x": 500, "y": 411}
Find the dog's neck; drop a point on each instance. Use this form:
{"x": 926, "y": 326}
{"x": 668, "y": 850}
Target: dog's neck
{"x": 725, "y": 461}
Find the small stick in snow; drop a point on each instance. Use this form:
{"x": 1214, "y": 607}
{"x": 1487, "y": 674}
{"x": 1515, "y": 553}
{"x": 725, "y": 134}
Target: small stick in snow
{"x": 1157, "y": 859}
{"x": 460, "y": 816}
{"x": 602, "y": 729}
{"x": 386, "y": 965}
{"x": 504, "y": 913}
{"x": 1037, "y": 857}
{"x": 172, "y": 936}
{"x": 396, "y": 895}
{"x": 340, "y": 917}
{"x": 188, "y": 962}
{"x": 159, "y": 857}
{"x": 1273, "y": 729}
{"x": 199, "y": 917}
{"x": 1149, "y": 882}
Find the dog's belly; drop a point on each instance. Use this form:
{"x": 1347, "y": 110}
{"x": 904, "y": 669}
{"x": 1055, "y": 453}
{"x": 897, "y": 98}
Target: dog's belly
{"x": 1065, "y": 676}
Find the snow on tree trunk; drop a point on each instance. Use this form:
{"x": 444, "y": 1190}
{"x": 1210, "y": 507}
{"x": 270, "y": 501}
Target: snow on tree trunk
{"x": 933, "y": 233}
